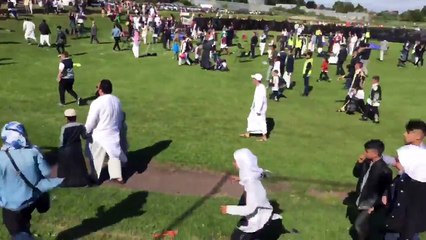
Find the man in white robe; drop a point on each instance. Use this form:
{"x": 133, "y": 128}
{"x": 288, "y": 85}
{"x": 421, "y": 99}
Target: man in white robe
{"x": 256, "y": 121}
{"x": 29, "y": 27}
{"x": 104, "y": 122}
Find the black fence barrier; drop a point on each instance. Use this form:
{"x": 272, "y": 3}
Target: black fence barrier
{"x": 389, "y": 34}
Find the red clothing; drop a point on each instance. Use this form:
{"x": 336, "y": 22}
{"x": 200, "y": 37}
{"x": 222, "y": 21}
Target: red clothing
{"x": 324, "y": 66}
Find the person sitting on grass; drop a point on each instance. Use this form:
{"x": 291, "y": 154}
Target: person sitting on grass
{"x": 258, "y": 218}
{"x": 221, "y": 65}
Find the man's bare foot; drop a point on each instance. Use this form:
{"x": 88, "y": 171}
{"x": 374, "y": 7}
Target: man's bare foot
{"x": 245, "y": 135}
{"x": 262, "y": 139}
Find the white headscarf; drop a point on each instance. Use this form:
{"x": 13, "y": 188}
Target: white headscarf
{"x": 247, "y": 164}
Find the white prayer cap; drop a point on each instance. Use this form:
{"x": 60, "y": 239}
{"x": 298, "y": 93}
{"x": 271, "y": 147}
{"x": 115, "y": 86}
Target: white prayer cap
{"x": 257, "y": 76}
{"x": 70, "y": 112}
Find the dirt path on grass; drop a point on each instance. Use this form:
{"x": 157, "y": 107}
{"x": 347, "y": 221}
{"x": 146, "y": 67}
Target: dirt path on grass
{"x": 175, "y": 181}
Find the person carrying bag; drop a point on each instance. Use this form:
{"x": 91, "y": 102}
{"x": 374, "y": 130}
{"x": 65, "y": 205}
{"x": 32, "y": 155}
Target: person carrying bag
{"x": 24, "y": 180}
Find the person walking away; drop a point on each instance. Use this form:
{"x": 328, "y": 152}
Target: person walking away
{"x": 341, "y": 58}
{"x": 24, "y": 181}
{"x": 384, "y": 45}
{"x": 61, "y": 40}
{"x": 66, "y": 79}
{"x": 44, "y": 33}
{"x": 256, "y": 121}
{"x": 275, "y": 84}
{"x": 298, "y": 47}
{"x": 307, "y": 70}
{"x": 324, "y": 70}
{"x": 94, "y": 33}
{"x": 289, "y": 68}
{"x": 29, "y": 31}
{"x": 104, "y": 123}
{"x": 373, "y": 102}
{"x": 419, "y": 52}
{"x": 262, "y": 44}
{"x": 258, "y": 217}
{"x": 73, "y": 23}
{"x": 136, "y": 42}
{"x": 71, "y": 162}
{"x": 365, "y": 52}
{"x": 374, "y": 178}
{"x": 116, "y": 33}
{"x": 272, "y": 56}
{"x": 253, "y": 43}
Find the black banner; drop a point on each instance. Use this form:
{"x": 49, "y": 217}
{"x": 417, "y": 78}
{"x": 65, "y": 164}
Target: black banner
{"x": 389, "y": 34}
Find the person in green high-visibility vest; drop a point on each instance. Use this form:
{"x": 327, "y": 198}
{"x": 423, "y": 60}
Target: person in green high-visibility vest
{"x": 307, "y": 70}
{"x": 298, "y": 47}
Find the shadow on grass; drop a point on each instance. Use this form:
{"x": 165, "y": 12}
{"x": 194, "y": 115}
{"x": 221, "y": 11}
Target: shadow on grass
{"x": 106, "y": 42}
{"x": 180, "y": 219}
{"x": 9, "y": 42}
{"x": 139, "y": 160}
{"x": 127, "y": 208}
{"x": 270, "y": 125}
{"x": 79, "y": 54}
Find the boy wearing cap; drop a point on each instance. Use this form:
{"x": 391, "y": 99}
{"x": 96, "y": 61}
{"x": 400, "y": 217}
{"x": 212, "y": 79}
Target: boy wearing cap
{"x": 71, "y": 162}
{"x": 256, "y": 121}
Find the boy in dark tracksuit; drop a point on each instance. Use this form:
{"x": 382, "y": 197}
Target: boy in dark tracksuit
{"x": 373, "y": 102}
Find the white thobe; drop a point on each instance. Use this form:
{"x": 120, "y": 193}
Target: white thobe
{"x": 29, "y": 28}
{"x": 104, "y": 121}
{"x": 257, "y": 210}
{"x": 412, "y": 159}
{"x": 256, "y": 121}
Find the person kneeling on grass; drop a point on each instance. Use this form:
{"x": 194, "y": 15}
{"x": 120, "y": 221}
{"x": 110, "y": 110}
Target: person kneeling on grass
{"x": 258, "y": 218}
{"x": 221, "y": 65}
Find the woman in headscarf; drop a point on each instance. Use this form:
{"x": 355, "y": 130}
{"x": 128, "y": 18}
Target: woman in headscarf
{"x": 17, "y": 198}
{"x": 259, "y": 221}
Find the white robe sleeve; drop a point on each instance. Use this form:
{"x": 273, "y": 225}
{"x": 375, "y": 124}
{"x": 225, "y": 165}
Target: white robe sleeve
{"x": 92, "y": 118}
{"x": 258, "y": 99}
{"x": 249, "y": 208}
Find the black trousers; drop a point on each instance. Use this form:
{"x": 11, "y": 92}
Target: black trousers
{"x": 323, "y": 76}
{"x": 252, "y": 50}
{"x": 370, "y": 111}
{"x": 340, "y": 71}
{"x": 18, "y": 221}
{"x": 94, "y": 38}
{"x": 66, "y": 85}
{"x": 60, "y": 47}
{"x": 362, "y": 225}
{"x": 116, "y": 43}
{"x": 298, "y": 53}
{"x": 306, "y": 85}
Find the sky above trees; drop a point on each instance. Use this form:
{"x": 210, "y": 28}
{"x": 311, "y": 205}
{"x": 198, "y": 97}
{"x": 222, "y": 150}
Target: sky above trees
{"x": 382, "y": 5}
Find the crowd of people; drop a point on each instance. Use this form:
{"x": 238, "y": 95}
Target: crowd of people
{"x": 105, "y": 128}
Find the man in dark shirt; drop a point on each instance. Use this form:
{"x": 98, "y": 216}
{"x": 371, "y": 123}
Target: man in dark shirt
{"x": 253, "y": 43}
{"x": 374, "y": 178}
{"x": 44, "y": 33}
{"x": 341, "y": 58}
{"x": 61, "y": 40}
{"x": 365, "y": 52}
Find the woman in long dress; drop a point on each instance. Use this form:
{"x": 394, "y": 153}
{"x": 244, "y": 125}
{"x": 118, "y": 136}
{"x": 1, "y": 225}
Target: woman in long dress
{"x": 136, "y": 42}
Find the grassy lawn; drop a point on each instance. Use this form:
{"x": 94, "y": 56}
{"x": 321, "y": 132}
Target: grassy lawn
{"x": 202, "y": 112}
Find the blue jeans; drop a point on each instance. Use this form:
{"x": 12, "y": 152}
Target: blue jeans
{"x": 306, "y": 83}
{"x": 395, "y": 236}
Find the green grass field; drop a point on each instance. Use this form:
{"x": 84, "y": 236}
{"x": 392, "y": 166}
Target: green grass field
{"x": 202, "y": 112}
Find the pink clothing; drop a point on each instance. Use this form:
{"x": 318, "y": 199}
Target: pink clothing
{"x": 136, "y": 36}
